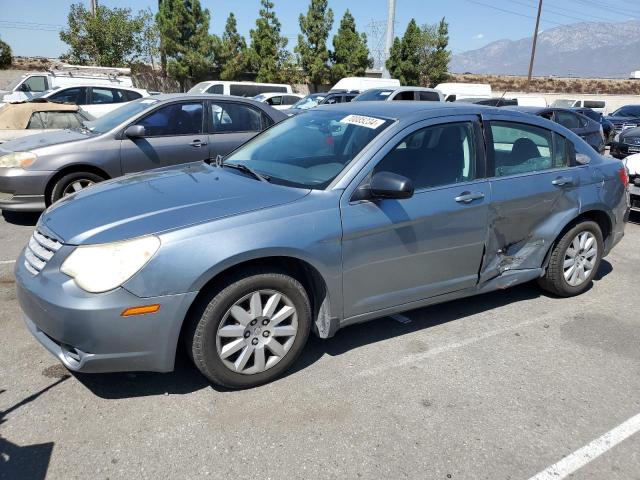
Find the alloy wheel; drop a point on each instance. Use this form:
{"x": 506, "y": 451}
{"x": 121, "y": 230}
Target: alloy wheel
{"x": 76, "y": 186}
{"x": 580, "y": 258}
{"x": 257, "y": 332}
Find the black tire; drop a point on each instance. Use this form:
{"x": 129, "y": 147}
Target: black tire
{"x": 59, "y": 188}
{"x": 554, "y": 281}
{"x": 200, "y": 338}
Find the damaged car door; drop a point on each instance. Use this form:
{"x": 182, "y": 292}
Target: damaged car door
{"x": 398, "y": 251}
{"x": 533, "y": 190}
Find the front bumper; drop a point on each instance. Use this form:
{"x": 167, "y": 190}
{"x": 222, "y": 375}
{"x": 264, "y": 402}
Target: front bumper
{"x": 87, "y": 333}
{"x": 23, "y": 190}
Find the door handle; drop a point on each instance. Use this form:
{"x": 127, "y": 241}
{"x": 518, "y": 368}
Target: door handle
{"x": 198, "y": 143}
{"x": 561, "y": 181}
{"x": 468, "y": 197}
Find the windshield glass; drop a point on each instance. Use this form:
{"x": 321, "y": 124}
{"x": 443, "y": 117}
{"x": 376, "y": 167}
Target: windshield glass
{"x": 114, "y": 118}
{"x": 627, "y": 112}
{"x": 260, "y": 97}
{"x": 309, "y": 150}
{"x": 373, "y": 95}
{"x": 308, "y": 102}
{"x": 563, "y": 103}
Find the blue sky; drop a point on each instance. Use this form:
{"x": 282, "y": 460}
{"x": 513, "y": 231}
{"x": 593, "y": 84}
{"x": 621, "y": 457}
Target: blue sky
{"x": 31, "y": 26}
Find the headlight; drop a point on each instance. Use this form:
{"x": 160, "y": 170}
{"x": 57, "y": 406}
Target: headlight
{"x": 99, "y": 268}
{"x": 18, "y": 159}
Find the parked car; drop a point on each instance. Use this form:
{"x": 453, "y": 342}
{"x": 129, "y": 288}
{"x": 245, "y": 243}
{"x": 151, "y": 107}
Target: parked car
{"x": 278, "y": 101}
{"x": 589, "y": 130}
{"x": 626, "y": 143}
{"x": 360, "y": 84}
{"x": 239, "y": 89}
{"x": 625, "y": 117}
{"x": 632, "y": 162}
{"x": 29, "y": 85}
{"x": 596, "y": 105}
{"x": 400, "y": 93}
{"x": 94, "y": 99}
{"x": 315, "y": 99}
{"x": 453, "y": 90}
{"x": 152, "y": 132}
{"x": 340, "y": 215}
{"x": 507, "y": 102}
{"x": 607, "y": 126}
{"x": 28, "y": 118}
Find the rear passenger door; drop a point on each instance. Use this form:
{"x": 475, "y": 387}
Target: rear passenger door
{"x": 533, "y": 187}
{"x": 230, "y": 124}
{"x": 400, "y": 251}
{"x": 174, "y": 134}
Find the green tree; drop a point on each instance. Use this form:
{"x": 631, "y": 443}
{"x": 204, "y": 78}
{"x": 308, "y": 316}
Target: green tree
{"x": 149, "y": 37}
{"x": 405, "y": 55}
{"x": 5, "y": 55}
{"x": 232, "y": 53}
{"x": 312, "y": 41}
{"x": 267, "y": 55}
{"x": 421, "y": 56}
{"x": 110, "y": 38}
{"x": 437, "y": 62}
{"x": 185, "y": 40}
{"x": 350, "y": 54}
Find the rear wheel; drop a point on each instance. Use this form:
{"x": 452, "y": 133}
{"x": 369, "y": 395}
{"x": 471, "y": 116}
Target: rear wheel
{"x": 574, "y": 260}
{"x": 72, "y": 183}
{"x": 251, "y": 331}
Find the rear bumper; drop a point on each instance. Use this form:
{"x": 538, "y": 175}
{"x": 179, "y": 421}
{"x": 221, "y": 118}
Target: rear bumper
{"x": 87, "y": 332}
{"x": 23, "y": 190}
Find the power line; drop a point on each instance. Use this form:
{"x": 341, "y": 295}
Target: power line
{"x": 553, "y": 10}
{"x": 511, "y": 12}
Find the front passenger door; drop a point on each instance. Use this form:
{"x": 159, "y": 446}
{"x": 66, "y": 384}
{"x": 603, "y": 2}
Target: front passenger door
{"x": 396, "y": 252}
{"x": 173, "y": 135}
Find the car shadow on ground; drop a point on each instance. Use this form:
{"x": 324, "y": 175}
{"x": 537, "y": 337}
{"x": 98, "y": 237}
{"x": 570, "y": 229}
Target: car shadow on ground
{"x": 186, "y": 378}
{"x": 21, "y": 218}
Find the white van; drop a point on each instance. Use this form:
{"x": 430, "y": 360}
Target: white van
{"x": 239, "y": 89}
{"x": 597, "y": 105}
{"x": 531, "y": 101}
{"x": 33, "y": 84}
{"x": 453, "y": 91}
{"x": 360, "y": 84}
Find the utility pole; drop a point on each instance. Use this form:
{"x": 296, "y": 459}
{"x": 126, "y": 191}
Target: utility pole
{"x": 533, "y": 46}
{"x": 94, "y": 7}
{"x": 391, "y": 19}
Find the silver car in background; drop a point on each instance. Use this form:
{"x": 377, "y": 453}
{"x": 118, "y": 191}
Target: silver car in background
{"x": 147, "y": 133}
{"x": 340, "y": 215}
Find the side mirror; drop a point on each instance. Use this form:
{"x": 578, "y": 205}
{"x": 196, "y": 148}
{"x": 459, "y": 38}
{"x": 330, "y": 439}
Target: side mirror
{"x": 390, "y": 185}
{"x": 135, "y": 131}
{"x": 582, "y": 159}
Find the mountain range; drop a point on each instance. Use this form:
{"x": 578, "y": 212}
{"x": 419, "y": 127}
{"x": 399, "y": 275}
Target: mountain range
{"x": 590, "y": 49}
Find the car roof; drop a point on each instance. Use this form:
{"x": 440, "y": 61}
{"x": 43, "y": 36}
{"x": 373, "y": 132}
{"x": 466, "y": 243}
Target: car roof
{"x": 398, "y": 110}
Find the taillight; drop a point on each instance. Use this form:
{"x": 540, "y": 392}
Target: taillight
{"x": 624, "y": 177}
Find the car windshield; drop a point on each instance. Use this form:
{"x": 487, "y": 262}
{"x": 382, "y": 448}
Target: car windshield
{"x": 308, "y": 102}
{"x": 627, "y": 112}
{"x": 114, "y": 118}
{"x": 309, "y": 150}
{"x": 563, "y": 103}
{"x": 373, "y": 95}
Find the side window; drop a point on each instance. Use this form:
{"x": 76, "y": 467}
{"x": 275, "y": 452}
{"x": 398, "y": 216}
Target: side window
{"x": 432, "y": 97}
{"x": 234, "y": 117}
{"x": 70, "y": 95}
{"x": 332, "y": 100}
{"x": 567, "y": 119}
{"x": 275, "y": 101}
{"x": 35, "y": 121}
{"x": 348, "y": 98}
{"x": 407, "y": 95}
{"x": 129, "y": 95}
{"x": 60, "y": 120}
{"x": 217, "y": 89}
{"x": 243, "y": 90}
{"x": 289, "y": 100}
{"x": 520, "y": 148}
{"x": 174, "y": 119}
{"x": 434, "y": 156}
{"x": 103, "y": 95}
{"x": 34, "y": 84}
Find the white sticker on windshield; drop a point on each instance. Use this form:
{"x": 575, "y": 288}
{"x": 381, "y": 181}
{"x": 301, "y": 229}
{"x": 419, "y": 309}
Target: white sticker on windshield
{"x": 385, "y": 94}
{"x": 362, "y": 121}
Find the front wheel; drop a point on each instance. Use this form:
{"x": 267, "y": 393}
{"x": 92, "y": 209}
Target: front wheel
{"x": 72, "y": 183}
{"x": 574, "y": 260}
{"x": 251, "y": 331}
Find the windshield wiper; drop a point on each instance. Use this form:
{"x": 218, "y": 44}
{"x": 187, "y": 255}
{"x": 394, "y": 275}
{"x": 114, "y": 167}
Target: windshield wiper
{"x": 243, "y": 168}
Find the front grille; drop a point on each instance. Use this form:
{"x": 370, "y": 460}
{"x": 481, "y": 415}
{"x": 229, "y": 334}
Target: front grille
{"x": 39, "y": 251}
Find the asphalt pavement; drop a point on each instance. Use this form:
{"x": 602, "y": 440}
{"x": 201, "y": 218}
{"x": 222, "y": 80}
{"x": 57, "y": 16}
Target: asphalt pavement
{"x": 499, "y": 386}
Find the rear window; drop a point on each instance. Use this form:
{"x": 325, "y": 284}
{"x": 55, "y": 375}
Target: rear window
{"x": 428, "y": 96}
{"x": 593, "y": 104}
{"x": 251, "y": 90}
{"x": 217, "y": 89}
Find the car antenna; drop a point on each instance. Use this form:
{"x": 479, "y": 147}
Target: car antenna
{"x": 501, "y": 98}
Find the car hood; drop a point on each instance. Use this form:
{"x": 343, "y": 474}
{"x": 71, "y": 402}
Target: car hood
{"x": 157, "y": 201}
{"x": 40, "y": 140}
{"x": 633, "y": 120}
{"x": 630, "y": 132}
